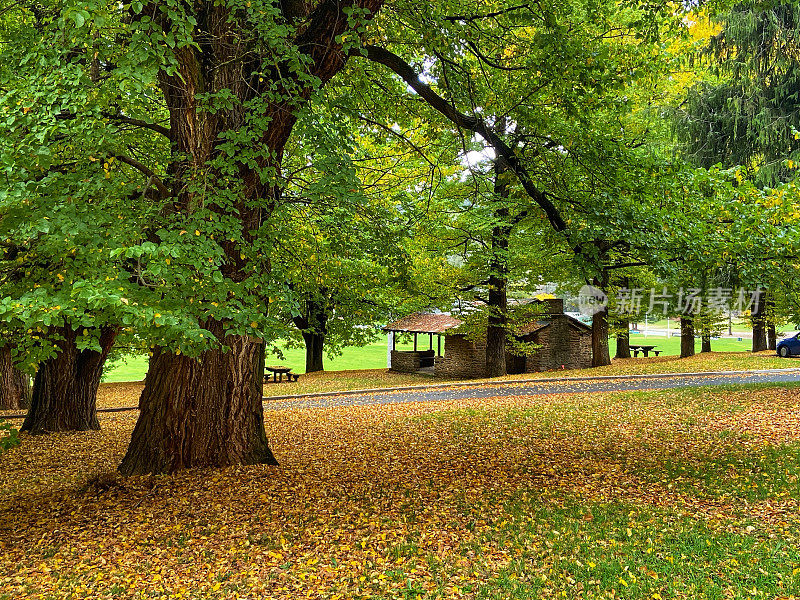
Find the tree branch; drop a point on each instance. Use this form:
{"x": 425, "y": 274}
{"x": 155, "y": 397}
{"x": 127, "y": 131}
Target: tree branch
{"x": 399, "y": 135}
{"x": 639, "y": 263}
{"x": 469, "y": 122}
{"x": 154, "y": 179}
{"x": 492, "y": 63}
{"x": 165, "y": 131}
{"x": 470, "y": 18}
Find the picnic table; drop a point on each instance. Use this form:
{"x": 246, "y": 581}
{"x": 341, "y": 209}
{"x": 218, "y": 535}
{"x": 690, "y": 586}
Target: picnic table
{"x": 278, "y": 371}
{"x": 644, "y": 349}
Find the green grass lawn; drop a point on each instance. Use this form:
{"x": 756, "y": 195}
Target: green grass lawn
{"x": 674, "y": 325}
{"x": 671, "y": 346}
{"x": 373, "y": 356}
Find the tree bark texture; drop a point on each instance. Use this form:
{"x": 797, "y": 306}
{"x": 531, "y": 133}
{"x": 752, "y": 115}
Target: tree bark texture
{"x": 315, "y": 344}
{"x": 313, "y": 324}
{"x": 15, "y": 386}
{"x": 772, "y": 336}
{"x": 623, "y": 340}
{"x": 64, "y": 394}
{"x": 204, "y": 412}
{"x": 497, "y": 326}
{"x": 207, "y": 411}
{"x": 705, "y": 342}
{"x": 600, "y": 351}
{"x": 759, "y": 324}
{"x": 687, "y": 337}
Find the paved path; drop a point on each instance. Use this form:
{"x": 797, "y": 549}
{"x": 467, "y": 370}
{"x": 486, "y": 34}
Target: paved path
{"x": 574, "y": 385}
{"x": 567, "y": 385}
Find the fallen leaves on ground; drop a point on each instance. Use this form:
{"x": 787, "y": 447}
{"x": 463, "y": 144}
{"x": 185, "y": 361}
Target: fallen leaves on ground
{"x": 583, "y": 495}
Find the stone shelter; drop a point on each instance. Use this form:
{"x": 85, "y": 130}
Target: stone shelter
{"x": 565, "y": 343}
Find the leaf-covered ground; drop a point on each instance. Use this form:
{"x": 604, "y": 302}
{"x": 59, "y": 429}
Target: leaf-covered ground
{"x": 668, "y": 494}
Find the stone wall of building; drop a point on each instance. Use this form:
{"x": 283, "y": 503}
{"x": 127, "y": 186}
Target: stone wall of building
{"x": 553, "y": 306}
{"x": 581, "y": 342}
{"x": 562, "y": 345}
{"x": 408, "y": 361}
{"x": 405, "y": 362}
{"x": 462, "y": 359}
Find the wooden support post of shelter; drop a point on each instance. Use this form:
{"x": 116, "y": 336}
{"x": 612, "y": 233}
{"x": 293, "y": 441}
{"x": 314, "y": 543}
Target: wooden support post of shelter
{"x": 417, "y": 359}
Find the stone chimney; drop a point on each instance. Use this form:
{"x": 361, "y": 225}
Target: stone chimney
{"x": 554, "y": 306}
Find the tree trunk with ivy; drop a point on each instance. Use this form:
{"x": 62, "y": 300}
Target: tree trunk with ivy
{"x": 497, "y": 301}
{"x": 65, "y": 388}
{"x": 601, "y": 355}
{"x": 15, "y": 386}
{"x": 207, "y": 411}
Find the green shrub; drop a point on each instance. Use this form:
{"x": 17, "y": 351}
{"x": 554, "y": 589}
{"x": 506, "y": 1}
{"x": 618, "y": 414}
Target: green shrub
{"x": 8, "y": 436}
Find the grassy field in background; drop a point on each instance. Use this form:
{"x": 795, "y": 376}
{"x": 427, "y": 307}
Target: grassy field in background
{"x": 671, "y": 346}
{"x": 675, "y": 324}
{"x": 373, "y": 356}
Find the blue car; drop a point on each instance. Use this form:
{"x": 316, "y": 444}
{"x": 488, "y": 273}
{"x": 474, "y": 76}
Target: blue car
{"x": 789, "y": 346}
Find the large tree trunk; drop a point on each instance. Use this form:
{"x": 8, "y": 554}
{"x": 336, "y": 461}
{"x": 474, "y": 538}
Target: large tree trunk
{"x": 201, "y": 412}
{"x": 759, "y": 324}
{"x": 315, "y": 343}
{"x": 207, "y": 411}
{"x": 313, "y": 325}
{"x": 15, "y": 386}
{"x": 600, "y": 352}
{"x": 497, "y": 326}
{"x": 687, "y": 337}
{"x": 705, "y": 342}
{"x": 623, "y": 340}
{"x": 65, "y": 387}
{"x": 496, "y": 329}
{"x": 772, "y": 336}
